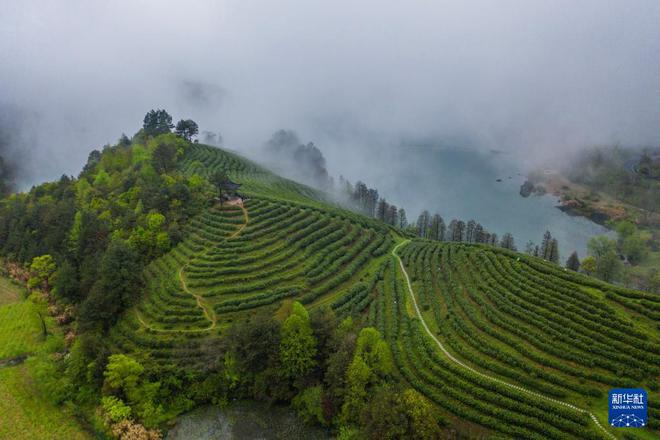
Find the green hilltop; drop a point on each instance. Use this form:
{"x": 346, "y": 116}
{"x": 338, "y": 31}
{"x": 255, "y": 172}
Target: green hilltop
{"x": 180, "y": 299}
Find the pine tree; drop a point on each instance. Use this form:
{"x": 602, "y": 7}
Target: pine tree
{"x": 423, "y": 224}
{"x": 403, "y": 221}
{"x": 507, "y": 242}
{"x": 553, "y": 255}
{"x": 371, "y": 201}
{"x": 457, "y": 230}
{"x": 573, "y": 262}
{"x": 437, "y": 228}
{"x": 546, "y": 246}
{"x": 479, "y": 234}
{"x": 470, "y": 232}
{"x": 381, "y": 211}
{"x": 529, "y": 248}
{"x": 157, "y": 122}
{"x": 392, "y": 215}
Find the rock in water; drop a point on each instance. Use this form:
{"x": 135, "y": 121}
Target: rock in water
{"x": 526, "y": 188}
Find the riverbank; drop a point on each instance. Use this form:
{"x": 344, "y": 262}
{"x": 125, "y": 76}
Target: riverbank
{"x": 579, "y": 200}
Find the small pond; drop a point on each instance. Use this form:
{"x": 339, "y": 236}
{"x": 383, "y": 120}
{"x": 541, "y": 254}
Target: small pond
{"x": 243, "y": 421}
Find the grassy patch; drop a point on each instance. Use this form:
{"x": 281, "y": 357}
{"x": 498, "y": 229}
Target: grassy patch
{"x": 20, "y": 329}
{"x": 9, "y": 292}
{"x": 25, "y": 414}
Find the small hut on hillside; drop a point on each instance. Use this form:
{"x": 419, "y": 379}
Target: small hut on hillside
{"x": 229, "y": 192}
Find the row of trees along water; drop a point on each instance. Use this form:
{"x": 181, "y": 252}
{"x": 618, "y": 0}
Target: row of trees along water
{"x": 433, "y": 227}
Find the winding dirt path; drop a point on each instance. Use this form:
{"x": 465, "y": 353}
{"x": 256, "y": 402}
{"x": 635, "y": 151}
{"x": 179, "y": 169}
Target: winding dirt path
{"x": 467, "y": 367}
{"x": 208, "y": 311}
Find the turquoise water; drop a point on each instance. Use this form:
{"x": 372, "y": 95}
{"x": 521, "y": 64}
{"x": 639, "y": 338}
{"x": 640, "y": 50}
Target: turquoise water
{"x": 458, "y": 183}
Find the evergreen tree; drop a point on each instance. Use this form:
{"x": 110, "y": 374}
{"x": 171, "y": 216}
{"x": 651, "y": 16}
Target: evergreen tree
{"x": 124, "y": 141}
{"x": 381, "y": 211}
{"x": 546, "y": 246}
{"x": 457, "y": 230}
{"x": 423, "y": 224}
{"x": 554, "y": 251}
{"x": 479, "y": 234}
{"x": 186, "y": 128}
{"x": 507, "y": 242}
{"x": 164, "y": 157}
{"x": 529, "y": 248}
{"x": 403, "y": 221}
{"x": 470, "y": 235}
{"x": 157, "y": 122}
{"x": 392, "y": 216}
{"x": 573, "y": 262}
{"x": 119, "y": 283}
{"x": 371, "y": 200}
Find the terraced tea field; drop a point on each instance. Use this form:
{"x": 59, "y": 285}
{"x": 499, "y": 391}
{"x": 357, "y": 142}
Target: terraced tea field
{"x": 527, "y": 348}
{"x": 239, "y": 257}
{"x": 505, "y": 343}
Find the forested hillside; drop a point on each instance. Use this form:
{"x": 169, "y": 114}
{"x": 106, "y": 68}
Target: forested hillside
{"x": 173, "y": 294}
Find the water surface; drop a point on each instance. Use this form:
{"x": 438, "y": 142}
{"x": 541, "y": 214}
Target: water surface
{"x": 461, "y": 183}
{"x": 243, "y": 421}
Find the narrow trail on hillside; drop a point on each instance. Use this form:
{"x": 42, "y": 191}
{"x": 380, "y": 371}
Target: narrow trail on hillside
{"x": 208, "y": 311}
{"x": 467, "y": 367}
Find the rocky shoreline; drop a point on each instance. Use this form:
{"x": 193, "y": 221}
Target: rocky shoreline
{"x": 570, "y": 202}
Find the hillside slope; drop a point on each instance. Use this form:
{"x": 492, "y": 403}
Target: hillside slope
{"x": 508, "y": 317}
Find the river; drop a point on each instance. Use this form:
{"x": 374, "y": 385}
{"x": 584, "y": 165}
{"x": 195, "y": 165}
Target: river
{"x": 461, "y": 183}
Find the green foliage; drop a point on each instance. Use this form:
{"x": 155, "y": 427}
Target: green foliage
{"x": 155, "y": 221}
{"x": 374, "y": 350}
{"x": 372, "y": 364}
{"x": 118, "y": 285}
{"x": 589, "y": 265}
{"x": 298, "y": 344}
{"x": 634, "y": 248}
{"x": 625, "y": 229}
{"x": 66, "y": 283}
{"x": 308, "y": 404}
{"x": 115, "y": 408}
{"x": 122, "y": 374}
{"x": 422, "y": 419}
{"x": 187, "y": 129}
{"x": 102, "y": 180}
{"x": 42, "y": 270}
{"x": 573, "y": 262}
{"x": 124, "y": 377}
{"x": 608, "y": 264}
{"x": 157, "y": 122}
{"x": 164, "y": 157}
{"x": 140, "y": 155}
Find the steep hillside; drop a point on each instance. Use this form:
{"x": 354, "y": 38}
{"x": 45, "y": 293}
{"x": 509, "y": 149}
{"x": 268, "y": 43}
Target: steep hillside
{"x": 517, "y": 344}
{"x": 282, "y": 243}
{"x": 514, "y": 346}
{"x": 179, "y": 300}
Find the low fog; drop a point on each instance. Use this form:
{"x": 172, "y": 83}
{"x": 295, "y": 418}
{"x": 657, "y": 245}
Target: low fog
{"x": 361, "y": 80}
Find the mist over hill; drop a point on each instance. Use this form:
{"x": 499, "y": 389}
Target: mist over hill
{"x": 538, "y": 79}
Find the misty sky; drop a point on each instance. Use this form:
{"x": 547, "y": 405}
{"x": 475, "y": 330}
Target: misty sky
{"x": 539, "y": 77}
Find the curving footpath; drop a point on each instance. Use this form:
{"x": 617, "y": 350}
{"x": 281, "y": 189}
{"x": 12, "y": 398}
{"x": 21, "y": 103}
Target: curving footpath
{"x": 463, "y": 365}
{"x": 211, "y": 316}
